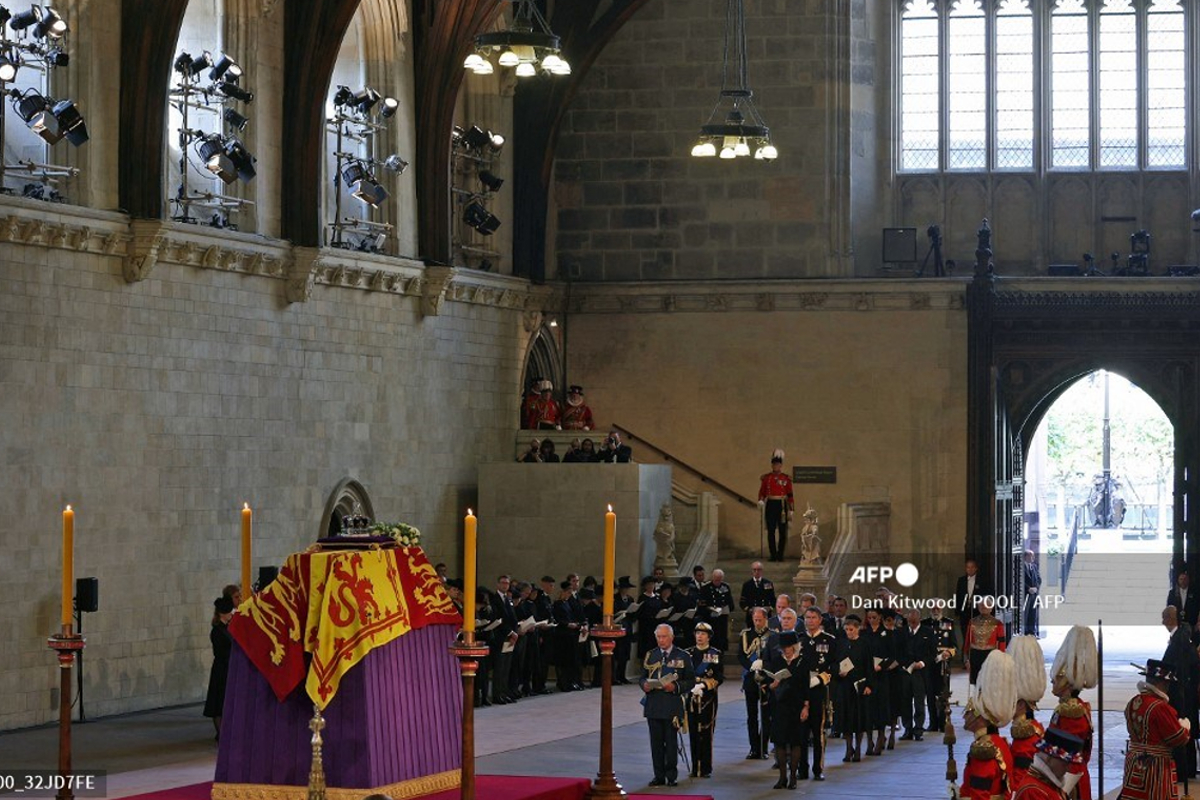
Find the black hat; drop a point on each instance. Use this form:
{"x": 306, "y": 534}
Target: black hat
{"x": 648, "y": 580}
{"x": 587, "y": 594}
{"x": 788, "y": 638}
{"x": 1156, "y": 670}
{"x": 456, "y": 583}
{"x": 855, "y": 618}
{"x": 666, "y": 587}
{"x": 1057, "y": 743}
{"x": 223, "y": 605}
{"x": 565, "y": 585}
{"x": 575, "y": 389}
{"x": 623, "y": 582}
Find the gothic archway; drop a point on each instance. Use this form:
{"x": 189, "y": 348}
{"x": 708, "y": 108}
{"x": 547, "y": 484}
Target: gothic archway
{"x": 543, "y": 359}
{"x": 345, "y": 498}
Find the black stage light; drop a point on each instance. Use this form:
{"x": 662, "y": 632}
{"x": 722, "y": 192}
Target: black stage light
{"x": 19, "y": 22}
{"x": 58, "y": 57}
{"x": 200, "y": 64}
{"x": 365, "y": 100}
{"x": 51, "y": 24}
{"x": 70, "y": 122}
{"x": 28, "y": 104}
{"x": 9, "y": 62}
{"x": 243, "y": 162}
{"x": 235, "y": 120}
{"x": 183, "y": 63}
{"x": 231, "y": 89}
{"x": 370, "y": 192}
{"x": 490, "y": 181}
{"x": 225, "y": 68}
{"x": 480, "y": 219}
{"x": 353, "y": 172}
{"x": 457, "y": 136}
{"x": 36, "y": 111}
{"x": 390, "y": 106}
{"x": 5, "y": 16}
{"x": 476, "y": 138}
{"x": 342, "y": 96}
{"x": 212, "y": 150}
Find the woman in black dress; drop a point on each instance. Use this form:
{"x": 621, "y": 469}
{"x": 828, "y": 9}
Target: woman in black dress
{"x": 855, "y": 674}
{"x": 790, "y": 696}
{"x": 222, "y": 644}
{"x": 879, "y": 645}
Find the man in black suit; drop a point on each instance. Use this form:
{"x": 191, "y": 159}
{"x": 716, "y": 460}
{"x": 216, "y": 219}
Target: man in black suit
{"x": 502, "y": 609}
{"x": 967, "y": 593}
{"x": 667, "y": 676}
{"x": 1186, "y": 602}
{"x": 1033, "y": 586}
{"x": 918, "y": 657}
{"x": 1183, "y": 692}
{"x": 758, "y": 592}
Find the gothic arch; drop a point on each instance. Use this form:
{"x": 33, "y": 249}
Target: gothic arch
{"x": 543, "y": 359}
{"x": 348, "y": 495}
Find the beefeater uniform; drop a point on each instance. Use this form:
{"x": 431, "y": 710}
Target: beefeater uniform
{"x": 1154, "y": 732}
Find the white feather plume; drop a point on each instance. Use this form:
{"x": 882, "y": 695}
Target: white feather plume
{"x": 777, "y": 453}
{"x": 997, "y": 684}
{"x": 1077, "y": 660}
{"x": 1031, "y": 668}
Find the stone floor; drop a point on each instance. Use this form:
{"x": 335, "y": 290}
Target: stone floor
{"x": 556, "y": 735}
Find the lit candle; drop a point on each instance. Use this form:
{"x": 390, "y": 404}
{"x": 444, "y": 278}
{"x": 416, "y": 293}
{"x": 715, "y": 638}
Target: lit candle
{"x": 247, "y": 520}
{"x": 610, "y": 560}
{"x": 468, "y": 598}
{"x": 68, "y": 573}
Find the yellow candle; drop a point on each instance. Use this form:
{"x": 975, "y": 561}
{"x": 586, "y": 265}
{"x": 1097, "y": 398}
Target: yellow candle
{"x": 610, "y": 559}
{"x": 247, "y": 520}
{"x": 68, "y": 573}
{"x": 468, "y": 598}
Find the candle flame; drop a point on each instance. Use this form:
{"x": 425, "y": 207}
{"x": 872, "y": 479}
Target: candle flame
{"x": 245, "y": 506}
{"x": 68, "y": 506}
{"x": 470, "y": 513}
{"x": 610, "y": 508}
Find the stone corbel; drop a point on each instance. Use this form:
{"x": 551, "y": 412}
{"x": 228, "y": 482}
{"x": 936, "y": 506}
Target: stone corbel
{"x": 301, "y": 274}
{"x": 532, "y": 320}
{"x": 145, "y": 243}
{"x": 437, "y": 282}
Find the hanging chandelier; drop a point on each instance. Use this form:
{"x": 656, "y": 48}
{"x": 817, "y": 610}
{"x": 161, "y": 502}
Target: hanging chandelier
{"x": 526, "y": 45}
{"x": 743, "y": 132}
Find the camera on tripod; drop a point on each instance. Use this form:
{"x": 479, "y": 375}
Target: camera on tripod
{"x": 1138, "y": 263}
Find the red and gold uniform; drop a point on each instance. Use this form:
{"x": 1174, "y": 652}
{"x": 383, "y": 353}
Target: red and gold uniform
{"x": 984, "y": 634}
{"x": 1035, "y": 787}
{"x": 989, "y": 767}
{"x": 1154, "y": 731}
{"x": 1075, "y": 717}
{"x": 577, "y": 417}
{"x": 775, "y": 492}
{"x": 544, "y": 412}
{"x": 1026, "y": 733}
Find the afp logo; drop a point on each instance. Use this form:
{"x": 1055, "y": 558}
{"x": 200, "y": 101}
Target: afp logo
{"x": 906, "y": 574}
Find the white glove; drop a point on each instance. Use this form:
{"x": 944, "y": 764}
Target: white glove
{"x": 1186, "y": 724}
{"x": 757, "y": 665}
{"x": 762, "y": 503}
{"x": 697, "y": 690}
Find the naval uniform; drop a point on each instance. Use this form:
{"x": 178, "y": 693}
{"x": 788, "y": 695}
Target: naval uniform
{"x": 817, "y": 653}
{"x": 711, "y": 600}
{"x": 751, "y": 648}
{"x": 702, "y": 707}
{"x": 756, "y": 593}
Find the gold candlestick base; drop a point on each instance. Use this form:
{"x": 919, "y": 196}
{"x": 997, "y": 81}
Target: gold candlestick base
{"x": 469, "y": 654}
{"x": 606, "y": 787}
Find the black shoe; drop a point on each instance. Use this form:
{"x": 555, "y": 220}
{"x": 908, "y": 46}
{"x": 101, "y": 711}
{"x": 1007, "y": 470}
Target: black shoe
{"x": 817, "y": 776}
{"x": 753, "y": 755}
{"x": 918, "y": 737}
{"x": 486, "y": 703}
{"x": 705, "y": 774}
{"x": 933, "y": 729}
{"x": 694, "y": 773}
{"x": 907, "y": 737}
{"x": 657, "y": 782}
{"x": 672, "y": 782}
{"x": 781, "y": 783}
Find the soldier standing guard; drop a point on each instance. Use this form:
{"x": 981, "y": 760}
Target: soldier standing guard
{"x": 1155, "y": 730}
{"x": 985, "y": 633}
{"x": 989, "y": 761}
{"x": 1076, "y": 667}
{"x": 1054, "y": 770}
{"x": 1031, "y": 685}
{"x": 577, "y": 416}
{"x": 775, "y": 496}
{"x": 702, "y": 701}
{"x": 544, "y": 411}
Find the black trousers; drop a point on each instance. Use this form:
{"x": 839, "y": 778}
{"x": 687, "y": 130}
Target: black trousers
{"x": 977, "y": 658}
{"x": 501, "y": 671}
{"x": 758, "y": 718}
{"x": 777, "y": 523}
{"x": 933, "y": 695}
{"x": 914, "y": 694}
{"x": 813, "y": 733}
{"x": 664, "y": 749}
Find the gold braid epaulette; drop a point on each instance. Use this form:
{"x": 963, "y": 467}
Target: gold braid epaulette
{"x": 984, "y": 748}
{"x": 1071, "y": 708}
{"x": 1023, "y": 728}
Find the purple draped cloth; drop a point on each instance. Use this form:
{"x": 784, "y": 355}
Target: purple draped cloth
{"x": 396, "y": 716}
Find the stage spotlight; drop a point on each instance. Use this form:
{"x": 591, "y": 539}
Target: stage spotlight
{"x": 395, "y": 163}
{"x": 5, "y": 16}
{"x": 370, "y": 192}
{"x": 390, "y": 106}
{"x": 342, "y": 96}
{"x": 51, "y": 24}
{"x": 235, "y": 120}
{"x": 36, "y": 111}
{"x": 212, "y": 149}
{"x": 183, "y": 63}
{"x": 490, "y": 181}
{"x": 457, "y": 136}
{"x": 200, "y": 64}
{"x": 243, "y": 162}
{"x": 9, "y": 62}
{"x": 476, "y": 138}
{"x": 495, "y": 141}
{"x": 225, "y": 68}
{"x": 231, "y": 89}
{"x": 480, "y": 219}
{"x": 353, "y": 172}
{"x": 19, "y": 22}
{"x": 70, "y": 122}
{"x": 365, "y": 100}
{"x": 58, "y": 57}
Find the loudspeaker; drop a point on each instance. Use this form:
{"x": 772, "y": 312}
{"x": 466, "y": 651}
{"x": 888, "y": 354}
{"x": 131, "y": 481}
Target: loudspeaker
{"x": 87, "y": 594}
{"x": 899, "y": 245}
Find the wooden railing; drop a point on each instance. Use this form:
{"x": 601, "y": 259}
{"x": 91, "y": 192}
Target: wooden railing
{"x": 671, "y": 459}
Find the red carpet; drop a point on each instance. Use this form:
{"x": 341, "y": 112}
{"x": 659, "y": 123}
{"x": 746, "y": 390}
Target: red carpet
{"x": 487, "y": 787}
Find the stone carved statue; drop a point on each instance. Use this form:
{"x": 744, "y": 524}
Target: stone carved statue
{"x": 810, "y": 542}
{"x": 664, "y": 540}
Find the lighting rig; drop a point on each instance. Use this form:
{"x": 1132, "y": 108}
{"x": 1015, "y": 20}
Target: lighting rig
{"x": 474, "y": 150}
{"x": 211, "y": 86}
{"x": 36, "y": 39}
{"x": 358, "y": 117}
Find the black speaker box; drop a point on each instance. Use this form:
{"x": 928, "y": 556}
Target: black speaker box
{"x": 87, "y": 594}
{"x": 899, "y": 245}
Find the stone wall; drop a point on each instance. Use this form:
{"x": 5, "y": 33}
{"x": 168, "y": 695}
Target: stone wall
{"x": 867, "y": 377}
{"x": 633, "y": 205}
{"x": 157, "y": 407}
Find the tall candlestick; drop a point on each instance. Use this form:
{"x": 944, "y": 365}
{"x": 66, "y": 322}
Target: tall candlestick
{"x": 247, "y": 523}
{"x": 68, "y": 572}
{"x": 468, "y": 595}
{"x": 610, "y": 560}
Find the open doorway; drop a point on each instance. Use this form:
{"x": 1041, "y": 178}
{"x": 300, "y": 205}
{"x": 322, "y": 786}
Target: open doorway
{"x": 1099, "y": 478}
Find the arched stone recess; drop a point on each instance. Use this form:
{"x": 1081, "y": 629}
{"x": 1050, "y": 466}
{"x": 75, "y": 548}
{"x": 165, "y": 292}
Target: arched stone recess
{"x": 543, "y": 359}
{"x": 920, "y": 203}
{"x": 1070, "y": 221}
{"x": 966, "y": 206}
{"x": 348, "y": 496}
{"x": 1017, "y": 219}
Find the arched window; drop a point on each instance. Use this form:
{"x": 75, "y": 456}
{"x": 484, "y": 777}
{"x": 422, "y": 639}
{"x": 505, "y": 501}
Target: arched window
{"x": 1118, "y": 96}
{"x": 967, "y": 87}
{"x": 1014, "y": 86}
{"x": 920, "y": 98}
{"x": 1166, "y": 95}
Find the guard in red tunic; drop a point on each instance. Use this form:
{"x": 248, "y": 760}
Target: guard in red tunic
{"x": 989, "y": 761}
{"x": 1075, "y": 668}
{"x": 776, "y": 499}
{"x": 577, "y": 416}
{"x": 1055, "y": 767}
{"x": 985, "y": 633}
{"x": 1026, "y": 731}
{"x": 527, "y": 401}
{"x": 1155, "y": 730}
{"x": 544, "y": 412}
